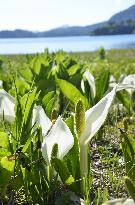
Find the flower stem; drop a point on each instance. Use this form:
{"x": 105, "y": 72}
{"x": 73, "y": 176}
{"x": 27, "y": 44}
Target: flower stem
{"x": 83, "y": 166}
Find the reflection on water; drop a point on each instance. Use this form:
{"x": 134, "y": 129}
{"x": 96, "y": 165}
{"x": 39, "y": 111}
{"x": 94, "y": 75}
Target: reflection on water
{"x": 81, "y": 43}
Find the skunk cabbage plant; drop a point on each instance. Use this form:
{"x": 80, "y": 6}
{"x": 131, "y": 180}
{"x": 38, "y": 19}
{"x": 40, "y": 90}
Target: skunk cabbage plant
{"x": 87, "y": 125}
{"x": 89, "y": 122}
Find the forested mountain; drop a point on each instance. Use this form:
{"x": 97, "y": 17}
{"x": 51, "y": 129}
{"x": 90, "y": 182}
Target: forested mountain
{"x": 115, "y": 28}
{"x": 120, "y": 23}
{"x": 128, "y": 14}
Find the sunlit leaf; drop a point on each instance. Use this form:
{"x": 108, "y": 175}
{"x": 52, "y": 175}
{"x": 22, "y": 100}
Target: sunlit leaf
{"x": 71, "y": 92}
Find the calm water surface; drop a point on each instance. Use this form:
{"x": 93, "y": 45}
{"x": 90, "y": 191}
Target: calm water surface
{"x": 81, "y": 43}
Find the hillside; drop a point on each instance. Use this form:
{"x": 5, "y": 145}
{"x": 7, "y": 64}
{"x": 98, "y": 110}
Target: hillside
{"x": 116, "y": 28}
{"x": 120, "y": 23}
{"x": 57, "y": 32}
{"x": 128, "y": 14}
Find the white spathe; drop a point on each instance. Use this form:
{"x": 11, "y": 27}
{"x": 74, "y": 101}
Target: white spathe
{"x": 96, "y": 115}
{"x": 6, "y": 106}
{"x": 94, "y": 119}
{"x": 40, "y": 119}
{"x": 130, "y": 80}
{"x": 119, "y": 201}
{"x": 91, "y": 82}
{"x": 61, "y": 135}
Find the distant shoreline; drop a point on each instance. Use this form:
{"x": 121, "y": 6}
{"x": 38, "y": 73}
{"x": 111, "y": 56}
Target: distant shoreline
{"x": 72, "y": 36}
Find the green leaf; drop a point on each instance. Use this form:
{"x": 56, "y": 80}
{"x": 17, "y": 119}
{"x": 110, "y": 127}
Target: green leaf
{"x": 26, "y": 74}
{"x": 27, "y": 104}
{"x": 102, "y": 84}
{"x": 124, "y": 99}
{"x": 54, "y": 153}
{"x": 4, "y": 140}
{"x": 17, "y": 181}
{"x": 36, "y": 64}
{"x": 70, "y": 123}
{"x": 47, "y": 98}
{"x": 71, "y": 92}
{"x": 4, "y": 145}
{"x": 130, "y": 186}
{"x": 25, "y": 147}
{"x": 73, "y": 69}
{"x": 22, "y": 86}
{"x": 64, "y": 173}
{"x": 35, "y": 194}
{"x": 128, "y": 149}
{"x": 49, "y": 107}
{"x": 6, "y": 171}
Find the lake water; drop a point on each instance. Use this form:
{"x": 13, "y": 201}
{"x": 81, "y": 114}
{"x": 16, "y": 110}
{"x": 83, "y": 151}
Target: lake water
{"x": 81, "y": 43}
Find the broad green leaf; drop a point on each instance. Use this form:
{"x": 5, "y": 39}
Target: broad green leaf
{"x": 4, "y": 145}
{"x": 25, "y": 147}
{"x": 73, "y": 69}
{"x": 4, "y": 153}
{"x": 4, "y": 141}
{"x": 70, "y": 123}
{"x": 46, "y": 85}
{"x": 27, "y": 103}
{"x": 76, "y": 80}
{"x": 71, "y": 92}
{"x": 17, "y": 182}
{"x": 49, "y": 107}
{"x": 102, "y": 84}
{"x": 6, "y": 171}
{"x": 35, "y": 194}
{"x": 47, "y": 98}
{"x": 36, "y": 64}
{"x": 128, "y": 149}
{"x": 124, "y": 99}
{"x": 64, "y": 173}
{"x": 7, "y": 164}
{"x": 22, "y": 86}
{"x": 26, "y": 74}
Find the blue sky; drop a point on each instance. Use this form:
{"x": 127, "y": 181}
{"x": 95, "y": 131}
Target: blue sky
{"x": 39, "y": 15}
